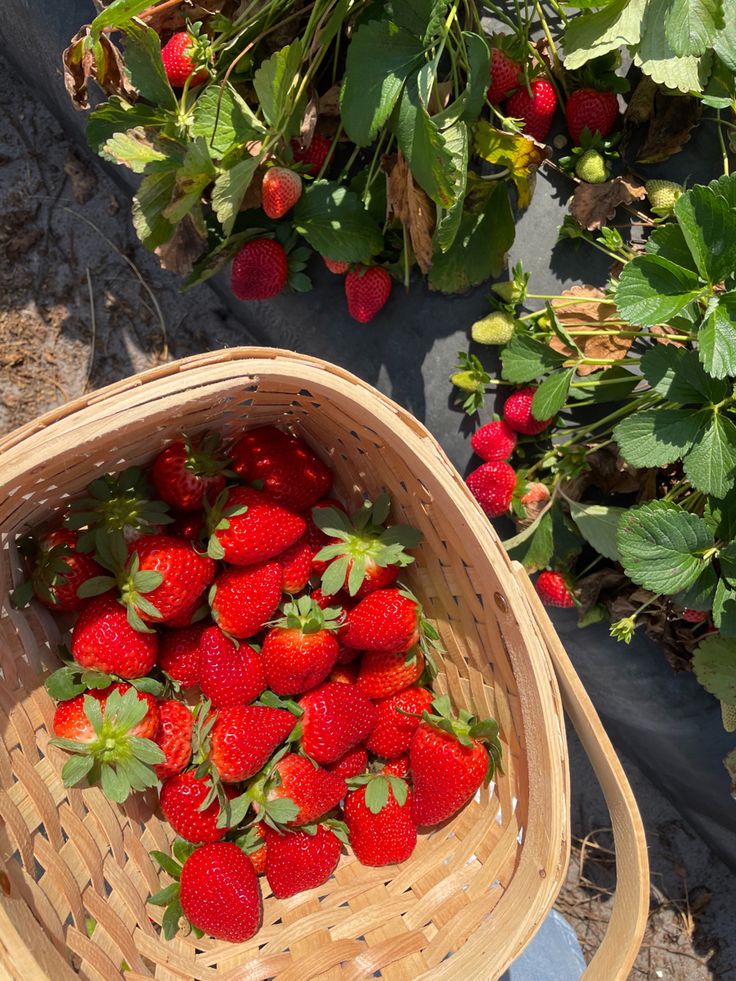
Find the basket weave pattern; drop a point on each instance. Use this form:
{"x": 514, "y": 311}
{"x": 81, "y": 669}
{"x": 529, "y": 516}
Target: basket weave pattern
{"x": 475, "y": 889}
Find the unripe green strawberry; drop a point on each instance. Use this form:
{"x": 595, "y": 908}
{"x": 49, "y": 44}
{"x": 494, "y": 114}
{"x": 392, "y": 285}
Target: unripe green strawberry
{"x": 663, "y": 196}
{"x": 495, "y": 328}
{"x": 465, "y": 380}
{"x": 728, "y": 716}
{"x": 592, "y": 167}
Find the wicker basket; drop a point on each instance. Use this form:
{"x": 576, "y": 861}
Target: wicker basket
{"x": 475, "y": 890}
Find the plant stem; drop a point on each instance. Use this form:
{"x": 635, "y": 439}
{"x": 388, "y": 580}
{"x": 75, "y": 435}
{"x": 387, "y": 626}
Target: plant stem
{"x": 722, "y": 142}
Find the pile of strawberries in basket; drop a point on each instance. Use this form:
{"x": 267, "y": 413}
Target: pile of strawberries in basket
{"x": 240, "y": 642}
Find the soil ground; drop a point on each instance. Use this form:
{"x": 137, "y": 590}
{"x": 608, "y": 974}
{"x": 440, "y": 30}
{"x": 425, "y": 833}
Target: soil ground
{"x": 82, "y": 304}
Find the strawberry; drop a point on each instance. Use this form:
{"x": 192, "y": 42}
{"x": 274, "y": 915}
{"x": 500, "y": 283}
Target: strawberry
{"x": 386, "y": 620}
{"x": 383, "y": 674}
{"x": 553, "y": 590}
{"x": 110, "y": 733}
{"x": 536, "y": 110}
{"x": 244, "y": 737}
{"x": 192, "y": 614}
{"x": 694, "y": 616}
{"x": 353, "y": 763}
{"x": 296, "y": 565}
{"x": 103, "y": 640}
{"x": 323, "y": 600}
{"x": 663, "y": 196}
{"x": 190, "y": 526}
{"x": 312, "y": 790}
{"x": 291, "y": 473}
{"x": 496, "y": 327}
{"x": 336, "y": 266}
{"x": 230, "y": 673}
{"x": 314, "y": 155}
{"x": 492, "y": 485}
{"x": 260, "y": 270}
{"x": 58, "y": 570}
{"x": 182, "y": 54}
{"x": 182, "y": 797}
{"x": 494, "y": 441}
{"x": 394, "y": 729}
{"x": 592, "y": 167}
{"x": 187, "y": 470}
{"x": 219, "y": 893}
{"x": 345, "y": 674}
{"x": 301, "y": 648}
{"x": 367, "y": 289}
{"x": 517, "y": 412}
{"x": 346, "y": 658}
{"x": 363, "y": 555}
{"x": 398, "y": 767}
{"x": 449, "y": 761}
{"x": 504, "y": 77}
{"x": 297, "y": 860}
{"x": 280, "y": 191}
{"x": 179, "y": 654}
{"x": 535, "y": 493}
{"x": 253, "y": 843}
{"x": 378, "y": 816}
{"x": 174, "y": 736}
{"x": 244, "y": 600}
{"x": 336, "y": 718}
{"x": 592, "y": 110}
{"x": 247, "y": 526}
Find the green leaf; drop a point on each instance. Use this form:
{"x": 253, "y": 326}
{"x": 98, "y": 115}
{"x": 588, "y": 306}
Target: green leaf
{"x": 656, "y": 58}
{"x": 479, "y": 71}
{"x": 589, "y": 36}
{"x": 524, "y": 359}
{"x": 552, "y": 394}
{"x": 423, "y": 143}
{"x": 63, "y": 684}
{"x": 274, "y": 80}
{"x": 153, "y": 196}
{"x": 708, "y": 224}
{"x": 711, "y": 463}
{"x": 380, "y": 58}
{"x": 717, "y": 338}
{"x": 724, "y": 44}
{"x": 117, "y": 14}
{"x": 118, "y": 116}
{"x": 657, "y": 437}
{"x": 145, "y": 68}
{"x": 224, "y": 119}
{"x": 536, "y": 551}
{"x": 115, "y": 785}
{"x": 229, "y": 190}
{"x": 661, "y": 546}
{"x": 376, "y": 794}
{"x": 727, "y": 561}
{"x": 333, "y": 578}
{"x": 522, "y": 157}
{"x": 668, "y": 241}
{"x": 164, "y": 896}
{"x": 699, "y": 595}
{"x": 598, "y": 524}
{"x": 335, "y": 223}
{"x": 146, "y": 750}
{"x": 95, "y": 586}
{"x": 197, "y": 171}
{"x": 690, "y": 25}
{"x": 724, "y": 609}
{"x": 651, "y": 290}
{"x": 448, "y": 220}
{"x": 96, "y": 679}
{"x": 676, "y": 374}
{"x": 282, "y": 810}
{"x": 167, "y": 863}
{"x": 714, "y": 664}
{"x": 75, "y": 769}
{"x": 133, "y": 150}
{"x": 171, "y": 918}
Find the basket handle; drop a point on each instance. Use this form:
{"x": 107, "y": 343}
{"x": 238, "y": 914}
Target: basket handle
{"x": 616, "y": 955}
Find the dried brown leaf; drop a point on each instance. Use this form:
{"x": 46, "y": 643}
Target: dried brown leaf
{"x": 408, "y": 202}
{"x": 171, "y": 19}
{"x": 329, "y": 102}
{"x": 641, "y": 104}
{"x": 673, "y": 120}
{"x": 592, "y": 316}
{"x": 81, "y": 65}
{"x": 82, "y": 177}
{"x": 664, "y": 334}
{"x": 309, "y": 121}
{"x": 593, "y": 205}
{"x": 252, "y": 197}
{"x": 183, "y": 249}
{"x": 611, "y": 473}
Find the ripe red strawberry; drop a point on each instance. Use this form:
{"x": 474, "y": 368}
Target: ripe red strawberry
{"x": 313, "y": 790}
{"x": 244, "y": 738}
{"x": 291, "y": 473}
{"x": 187, "y": 470}
{"x": 103, "y": 640}
{"x": 537, "y": 111}
{"x": 58, "y": 570}
{"x": 296, "y": 565}
{"x": 553, "y": 590}
{"x": 247, "y": 526}
{"x": 181, "y": 56}
{"x": 448, "y": 767}
{"x": 593, "y": 110}
{"x": 253, "y": 843}
{"x": 110, "y": 733}
{"x": 181, "y": 798}
{"x": 363, "y": 554}
{"x": 322, "y": 600}
{"x": 336, "y": 719}
{"x": 351, "y": 764}
{"x": 179, "y": 654}
{"x": 336, "y": 266}
{"x": 394, "y": 730}
{"x": 296, "y": 860}
{"x": 190, "y": 526}
{"x": 398, "y": 767}
{"x": 260, "y": 270}
{"x": 219, "y": 892}
{"x": 346, "y": 657}
{"x": 517, "y": 412}
{"x": 380, "y": 826}
{"x": 230, "y": 674}
{"x": 494, "y": 441}
{"x": 314, "y": 155}
{"x": 174, "y": 736}
{"x": 383, "y": 674}
{"x": 386, "y": 620}
{"x": 243, "y": 600}
{"x": 301, "y": 648}
{"x": 190, "y": 615}
{"x": 504, "y": 77}
{"x": 367, "y": 291}
{"x": 280, "y": 191}
{"x": 317, "y": 537}
{"x": 345, "y": 674}
{"x": 492, "y": 485}
{"x": 694, "y": 616}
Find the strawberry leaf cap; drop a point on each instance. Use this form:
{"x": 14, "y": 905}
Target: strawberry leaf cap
{"x": 467, "y": 729}
{"x": 429, "y": 638}
{"x": 205, "y": 456}
{"x": 50, "y": 569}
{"x": 217, "y": 518}
{"x": 305, "y": 615}
{"x": 377, "y": 787}
{"x": 169, "y": 896}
